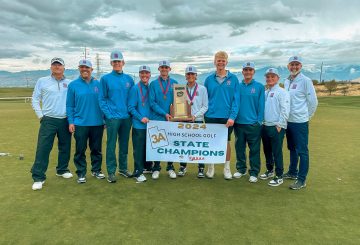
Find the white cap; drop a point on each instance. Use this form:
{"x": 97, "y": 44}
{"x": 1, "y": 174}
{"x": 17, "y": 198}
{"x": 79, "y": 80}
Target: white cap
{"x": 116, "y": 55}
{"x": 86, "y": 63}
{"x": 295, "y": 59}
{"x": 249, "y": 64}
{"x": 272, "y": 71}
{"x": 144, "y": 68}
{"x": 164, "y": 63}
{"x": 190, "y": 69}
{"x": 57, "y": 60}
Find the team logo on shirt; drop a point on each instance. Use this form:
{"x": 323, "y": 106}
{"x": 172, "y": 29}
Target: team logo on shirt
{"x": 96, "y": 90}
{"x": 228, "y": 82}
{"x": 294, "y": 86}
{"x": 253, "y": 91}
{"x": 127, "y": 85}
{"x": 65, "y": 85}
{"x": 272, "y": 95}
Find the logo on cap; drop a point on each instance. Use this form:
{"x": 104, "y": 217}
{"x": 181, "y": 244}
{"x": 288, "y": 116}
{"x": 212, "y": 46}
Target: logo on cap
{"x": 116, "y": 56}
{"x": 144, "y": 67}
{"x": 248, "y": 64}
{"x": 190, "y": 68}
{"x": 84, "y": 62}
{"x": 271, "y": 70}
{"x": 295, "y": 58}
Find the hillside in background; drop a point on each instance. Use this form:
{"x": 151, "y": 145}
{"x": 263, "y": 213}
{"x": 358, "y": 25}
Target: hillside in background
{"x": 339, "y": 73}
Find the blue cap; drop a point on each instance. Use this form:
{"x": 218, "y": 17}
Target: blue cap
{"x": 272, "y": 71}
{"x": 86, "y": 63}
{"x": 57, "y": 60}
{"x": 190, "y": 69}
{"x": 116, "y": 55}
{"x": 295, "y": 59}
{"x": 144, "y": 68}
{"x": 164, "y": 63}
{"x": 249, "y": 64}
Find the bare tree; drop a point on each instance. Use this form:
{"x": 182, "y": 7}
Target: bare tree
{"x": 331, "y": 86}
{"x": 344, "y": 89}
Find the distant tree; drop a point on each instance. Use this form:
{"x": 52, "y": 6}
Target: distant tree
{"x": 331, "y": 86}
{"x": 315, "y": 82}
{"x": 344, "y": 89}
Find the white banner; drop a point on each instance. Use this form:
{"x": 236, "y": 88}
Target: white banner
{"x": 186, "y": 142}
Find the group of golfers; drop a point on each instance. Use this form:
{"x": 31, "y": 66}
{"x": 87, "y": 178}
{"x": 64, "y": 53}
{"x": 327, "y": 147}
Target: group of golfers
{"x": 85, "y": 107}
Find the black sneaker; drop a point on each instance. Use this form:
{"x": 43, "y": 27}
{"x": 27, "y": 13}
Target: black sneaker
{"x": 201, "y": 173}
{"x": 126, "y": 173}
{"x": 297, "y": 185}
{"x": 81, "y": 179}
{"x": 98, "y": 175}
{"x": 182, "y": 171}
{"x": 111, "y": 178}
{"x": 289, "y": 176}
{"x": 268, "y": 174}
{"x": 276, "y": 181}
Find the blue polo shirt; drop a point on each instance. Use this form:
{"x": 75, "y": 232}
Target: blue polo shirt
{"x": 252, "y": 103}
{"x": 82, "y": 106}
{"x": 138, "y": 104}
{"x": 223, "y": 96}
{"x": 113, "y": 96}
{"x": 159, "y": 102}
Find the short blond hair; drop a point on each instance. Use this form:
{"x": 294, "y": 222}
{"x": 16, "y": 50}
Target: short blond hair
{"x": 221, "y": 55}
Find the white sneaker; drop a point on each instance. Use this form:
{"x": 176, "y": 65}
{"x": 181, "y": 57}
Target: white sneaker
{"x": 172, "y": 174}
{"x": 227, "y": 171}
{"x": 141, "y": 178}
{"x": 155, "y": 175}
{"x": 238, "y": 175}
{"x": 37, "y": 185}
{"x": 253, "y": 179}
{"x": 211, "y": 171}
{"x": 66, "y": 175}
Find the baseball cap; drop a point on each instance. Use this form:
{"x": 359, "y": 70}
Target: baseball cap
{"x": 116, "y": 55}
{"x": 295, "y": 59}
{"x": 58, "y": 60}
{"x": 272, "y": 71}
{"x": 86, "y": 63}
{"x": 164, "y": 63}
{"x": 249, "y": 64}
{"x": 144, "y": 68}
{"x": 190, "y": 69}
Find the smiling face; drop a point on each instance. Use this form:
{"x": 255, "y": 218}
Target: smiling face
{"x": 191, "y": 78}
{"x": 220, "y": 63}
{"x": 144, "y": 76}
{"x": 57, "y": 69}
{"x": 85, "y": 72}
{"x": 117, "y": 65}
{"x": 164, "y": 71}
{"x": 271, "y": 79}
{"x": 248, "y": 73}
{"x": 294, "y": 68}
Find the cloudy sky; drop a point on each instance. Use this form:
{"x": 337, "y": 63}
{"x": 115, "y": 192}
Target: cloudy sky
{"x": 185, "y": 32}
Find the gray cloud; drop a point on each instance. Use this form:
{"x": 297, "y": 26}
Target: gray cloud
{"x": 180, "y": 37}
{"x": 235, "y": 13}
{"x": 122, "y": 36}
{"x": 6, "y": 53}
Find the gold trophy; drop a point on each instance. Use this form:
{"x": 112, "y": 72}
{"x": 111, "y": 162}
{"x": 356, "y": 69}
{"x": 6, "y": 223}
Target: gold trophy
{"x": 180, "y": 110}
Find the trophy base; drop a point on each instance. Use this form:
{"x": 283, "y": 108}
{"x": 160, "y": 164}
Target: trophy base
{"x": 181, "y": 119}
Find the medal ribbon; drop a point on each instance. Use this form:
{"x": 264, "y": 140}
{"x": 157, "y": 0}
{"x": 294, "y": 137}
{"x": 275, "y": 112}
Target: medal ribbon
{"x": 164, "y": 91}
{"x": 143, "y": 98}
{"x": 192, "y": 96}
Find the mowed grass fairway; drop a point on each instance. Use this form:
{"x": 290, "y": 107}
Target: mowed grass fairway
{"x": 186, "y": 210}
